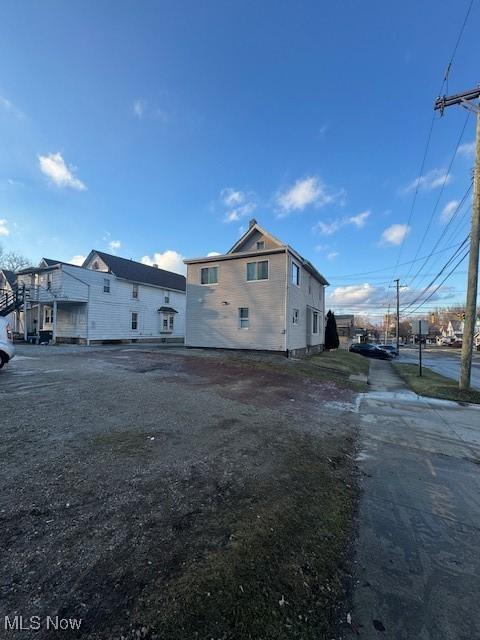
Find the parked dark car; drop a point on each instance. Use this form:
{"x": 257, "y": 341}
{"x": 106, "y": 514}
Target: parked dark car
{"x": 390, "y": 348}
{"x": 456, "y": 344}
{"x": 370, "y": 351}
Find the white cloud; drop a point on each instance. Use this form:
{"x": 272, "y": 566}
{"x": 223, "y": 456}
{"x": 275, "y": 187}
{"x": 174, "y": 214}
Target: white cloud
{"x": 54, "y": 167}
{"x": 356, "y": 294}
{"x": 467, "y": 149}
{"x": 240, "y": 204}
{"x": 328, "y": 228}
{"x": 78, "y": 260}
{"x": 306, "y": 192}
{"x": 431, "y": 180}
{"x": 139, "y": 106}
{"x": 332, "y": 255}
{"x": 211, "y": 254}
{"x": 114, "y": 244}
{"x": 168, "y": 260}
{"x": 395, "y": 234}
{"x": 448, "y": 210}
{"x": 231, "y": 197}
{"x": 4, "y": 230}
{"x": 360, "y": 219}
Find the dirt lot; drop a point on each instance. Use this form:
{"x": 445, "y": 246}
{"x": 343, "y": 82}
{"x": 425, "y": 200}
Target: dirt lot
{"x": 165, "y": 493}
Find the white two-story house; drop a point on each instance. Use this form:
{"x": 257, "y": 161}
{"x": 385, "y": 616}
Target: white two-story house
{"x": 107, "y": 299}
{"x": 260, "y": 295}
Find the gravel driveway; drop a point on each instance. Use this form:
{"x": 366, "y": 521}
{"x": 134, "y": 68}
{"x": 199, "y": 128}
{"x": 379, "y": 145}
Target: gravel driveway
{"x": 170, "y": 493}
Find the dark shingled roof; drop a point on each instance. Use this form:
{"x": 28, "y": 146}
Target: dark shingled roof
{"x": 138, "y": 272}
{"x": 167, "y": 310}
{"x": 50, "y": 263}
{"x": 10, "y": 276}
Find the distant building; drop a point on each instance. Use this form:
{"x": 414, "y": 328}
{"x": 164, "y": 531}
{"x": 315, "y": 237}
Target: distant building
{"x": 345, "y": 325}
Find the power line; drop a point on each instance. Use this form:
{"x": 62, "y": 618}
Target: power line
{"x": 383, "y": 269}
{"x": 442, "y": 282}
{"x": 459, "y": 206}
{"x": 449, "y": 261}
{"x": 445, "y": 180}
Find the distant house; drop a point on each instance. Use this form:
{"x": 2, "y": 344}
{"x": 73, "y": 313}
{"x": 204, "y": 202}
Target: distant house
{"x": 108, "y": 298}
{"x": 345, "y": 325}
{"x": 455, "y": 329}
{"x": 261, "y": 295}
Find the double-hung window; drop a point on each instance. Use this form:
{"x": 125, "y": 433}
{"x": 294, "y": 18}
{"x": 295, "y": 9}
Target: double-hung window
{"x": 257, "y": 270}
{"x": 295, "y": 316}
{"x": 209, "y": 275}
{"x": 243, "y": 318}
{"x": 134, "y": 321}
{"x": 135, "y": 290}
{"x": 106, "y": 285}
{"x": 295, "y": 274}
{"x": 260, "y": 245}
{"x": 166, "y": 297}
{"x": 168, "y": 323}
{"x": 315, "y": 322}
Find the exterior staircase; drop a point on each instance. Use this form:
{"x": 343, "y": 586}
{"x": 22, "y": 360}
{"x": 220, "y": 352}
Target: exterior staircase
{"x": 12, "y": 300}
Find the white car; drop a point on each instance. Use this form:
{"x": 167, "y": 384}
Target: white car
{"x": 7, "y": 350}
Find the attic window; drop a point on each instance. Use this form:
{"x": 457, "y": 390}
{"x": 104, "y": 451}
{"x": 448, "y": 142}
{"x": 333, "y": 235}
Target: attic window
{"x": 95, "y": 265}
{"x": 261, "y": 245}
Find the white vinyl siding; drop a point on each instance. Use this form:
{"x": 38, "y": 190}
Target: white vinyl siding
{"x": 308, "y": 298}
{"x": 212, "y": 311}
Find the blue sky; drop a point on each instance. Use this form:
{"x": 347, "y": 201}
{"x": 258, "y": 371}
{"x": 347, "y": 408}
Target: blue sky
{"x": 162, "y": 127}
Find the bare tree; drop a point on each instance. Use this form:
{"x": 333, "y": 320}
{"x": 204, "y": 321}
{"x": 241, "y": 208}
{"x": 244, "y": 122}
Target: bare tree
{"x": 13, "y": 261}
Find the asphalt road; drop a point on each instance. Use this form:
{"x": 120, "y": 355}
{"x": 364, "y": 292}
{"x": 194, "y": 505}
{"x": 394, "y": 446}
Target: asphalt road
{"x": 419, "y": 516}
{"x": 442, "y": 360}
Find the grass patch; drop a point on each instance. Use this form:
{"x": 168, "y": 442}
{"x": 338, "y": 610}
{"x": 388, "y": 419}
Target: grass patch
{"x": 281, "y": 573}
{"x": 434, "y": 385}
{"x": 337, "y": 366}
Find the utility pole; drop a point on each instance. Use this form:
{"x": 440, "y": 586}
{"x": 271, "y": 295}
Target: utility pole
{"x": 464, "y": 99}
{"x": 398, "y": 315}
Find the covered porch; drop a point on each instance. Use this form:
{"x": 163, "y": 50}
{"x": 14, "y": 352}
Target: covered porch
{"x": 55, "y": 321}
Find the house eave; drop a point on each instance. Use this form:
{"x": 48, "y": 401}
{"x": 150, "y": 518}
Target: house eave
{"x": 235, "y": 256}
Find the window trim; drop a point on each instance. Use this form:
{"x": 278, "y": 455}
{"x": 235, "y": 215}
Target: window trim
{"x": 256, "y": 262}
{"x": 135, "y": 291}
{"x": 315, "y": 316}
{"x": 262, "y": 242}
{"x": 298, "y": 283}
{"x": 136, "y": 321}
{"x": 209, "y": 284}
{"x": 295, "y": 316}
{"x": 106, "y": 285}
{"x": 240, "y": 319}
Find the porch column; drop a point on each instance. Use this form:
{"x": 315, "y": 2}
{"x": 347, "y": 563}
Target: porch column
{"x": 25, "y": 328}
{"x": 39, "y": 315}
{"x": 54, "y": 331}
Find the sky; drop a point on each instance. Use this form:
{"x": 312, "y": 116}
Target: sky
{"x": 156, "y": 130}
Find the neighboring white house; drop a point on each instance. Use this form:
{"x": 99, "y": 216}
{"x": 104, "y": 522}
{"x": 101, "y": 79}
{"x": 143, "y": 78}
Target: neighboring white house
{"x": 108, "y": 298}
{"x": 7, "y": 287}
{"x": 259, "y": 295}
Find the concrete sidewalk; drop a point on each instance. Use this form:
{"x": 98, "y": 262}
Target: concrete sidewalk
{"x": 418, "y": 560}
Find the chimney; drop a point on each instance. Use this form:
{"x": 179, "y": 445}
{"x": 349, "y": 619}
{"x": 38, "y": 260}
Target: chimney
{"x": 155, "y": 265}
{"x": 252, "y": 223}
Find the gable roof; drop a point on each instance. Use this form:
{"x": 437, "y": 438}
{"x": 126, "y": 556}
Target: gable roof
{"x": 138, "y": 272}
{"x": 254, "y": 227}
{"x": 10, "y": 276}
